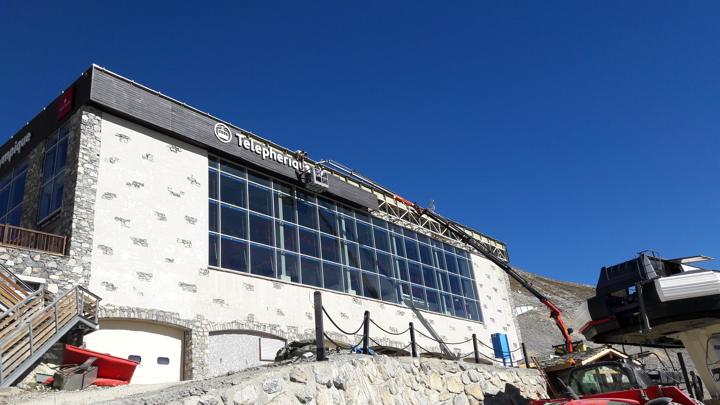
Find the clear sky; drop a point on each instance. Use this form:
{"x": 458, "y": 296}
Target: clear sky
{"x": 578, "y": 132}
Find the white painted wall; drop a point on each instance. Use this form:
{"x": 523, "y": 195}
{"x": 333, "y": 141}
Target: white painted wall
{"x": 235, "y": 351}
{"x": 222, "y": 296}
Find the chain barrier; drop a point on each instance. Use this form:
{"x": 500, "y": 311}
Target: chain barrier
{"x": 387, "y": 331}
{"x": 338, "y": 327}
{"x": 445, "y": 343}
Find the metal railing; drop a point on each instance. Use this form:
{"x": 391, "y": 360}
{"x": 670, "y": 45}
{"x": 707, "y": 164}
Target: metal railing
{"x": 16, "y": 236}
{"x": 363, "y": 346}
{"x": 24, "y": 340}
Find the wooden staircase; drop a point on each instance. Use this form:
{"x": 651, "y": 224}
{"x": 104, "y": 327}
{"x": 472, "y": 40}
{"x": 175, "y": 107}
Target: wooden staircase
{"x": 32, "y": 321}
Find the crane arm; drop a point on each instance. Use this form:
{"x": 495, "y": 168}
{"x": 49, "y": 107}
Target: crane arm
{"x": 459, "y": 233}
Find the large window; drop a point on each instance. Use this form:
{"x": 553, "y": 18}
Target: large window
{"x": 53, "y": 179}
{"x": 265, "y": 227}
{"x": 12, "y": 190}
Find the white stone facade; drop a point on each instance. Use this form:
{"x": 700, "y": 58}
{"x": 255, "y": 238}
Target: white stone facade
{"x": 150, "y": 261}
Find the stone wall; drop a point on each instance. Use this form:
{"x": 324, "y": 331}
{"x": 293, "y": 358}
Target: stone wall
{"x": 357, "y": 379}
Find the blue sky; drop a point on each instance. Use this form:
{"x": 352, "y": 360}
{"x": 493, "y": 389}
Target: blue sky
{"x": 578, "y": 132}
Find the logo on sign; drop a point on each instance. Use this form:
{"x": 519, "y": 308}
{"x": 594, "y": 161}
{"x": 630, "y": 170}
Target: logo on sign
{"x": 223, "y": 133}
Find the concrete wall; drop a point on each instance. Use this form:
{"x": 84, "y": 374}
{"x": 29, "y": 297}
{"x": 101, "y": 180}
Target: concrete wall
{"x": 150, "y": 255}
{"x": 231, "y": 351}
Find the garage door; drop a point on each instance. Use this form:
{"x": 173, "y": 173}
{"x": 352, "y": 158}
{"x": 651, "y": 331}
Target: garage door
{"x": 158, "y": 348}
{"x": 231, "y": 351}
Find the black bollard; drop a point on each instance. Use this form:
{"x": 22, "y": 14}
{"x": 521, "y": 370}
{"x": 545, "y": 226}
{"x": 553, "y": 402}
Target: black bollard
{"x": 366, "y": 332}
{"x": 319, "y": 330}
{"x": 413, "y": 347}
{"x": 475, "y": 348}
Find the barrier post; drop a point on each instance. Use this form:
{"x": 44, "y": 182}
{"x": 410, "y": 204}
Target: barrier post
{"x": 413, "y": 347}
{"x": 366, "y": 332}
{"x": 319, "y": 330}
{"x": 475, "y": 348}
{"x": 685, "y": 375}
{"x": 527, "y": 363}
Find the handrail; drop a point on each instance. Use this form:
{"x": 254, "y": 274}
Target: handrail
{"x": 14, "y": 277}
{"x": 11, "y": 235}
{"x": 23, "y": 302}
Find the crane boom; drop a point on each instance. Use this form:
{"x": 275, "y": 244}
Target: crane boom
{"x": 555, "y": 312}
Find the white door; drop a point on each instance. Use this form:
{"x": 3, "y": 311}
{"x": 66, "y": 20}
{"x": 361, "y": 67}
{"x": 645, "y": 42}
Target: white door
{"x": 158, "y": 348}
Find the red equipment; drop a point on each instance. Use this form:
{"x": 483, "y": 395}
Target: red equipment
{"x": 456, "y": 230}
{"x": 112, "y": 370}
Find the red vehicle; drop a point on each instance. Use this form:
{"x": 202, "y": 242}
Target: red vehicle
{"x": 615, "y": 383}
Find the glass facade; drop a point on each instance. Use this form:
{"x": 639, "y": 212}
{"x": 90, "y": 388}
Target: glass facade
{"x": 53, "y": 174}
{"x": 262, "y": 226}
{"x": 12, "y": 190}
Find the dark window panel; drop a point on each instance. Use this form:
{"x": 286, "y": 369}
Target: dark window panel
{"x": 61, "y": 155}
{"x": 233, "y": 191}
{"x": 371, "y": 286}
{"x": 311, "y": 272}
{"x": 234, "y": 255}
{"x": 261, "y": 261}
{"x": 451, "y": 262}
{"x": 350, "y": 254}
{"x": 423, "y": 238}
{"x": 332, "y": 276}
{"x": 425, "y": 254}
{"x": 385, "y": 266}
{"x": 433, "y": 300}
{"x": 260, "y": 199}
{"x": 58, "y": 186}
{"x": 353, "y": 282}
{"x": 367, "y": 259}
{"x": 214, "y": 250}
{"x": 381, "y": 239}
{"x": 330, "y": 248}
{"x": 213, "y": 184}
{"x": 328, "y": 222}
{"x": 379, "y": 222}
{"x": 395, "y": 228}
{"x": 455, "y": 287}
{"x": 410, "y": 234}
{"x": 234, "y": 222}
{"x": 284, "y": 207}
{"x": 309, "y": 243}
{"x": 439, "y": 257}
{"x": 418, "y": 295}
{"x": 49, "y": 164}
{"x": 415, "y": 273}
{"x": 468, "y": 288}
{"x": 397, "y": 246}
{"x": 45, "y": 201}
{"x": 324, "y": 202}
{"x": 362, "y": 215}
{"x": 405, "y": 293}
{"x": 429, "y": 277}
{"x": 261, "y": 229}
{"x": 447, "y": 304}
{"x": 288, "y": 267}
{"x": 232, "y": 169}
{"x": 389, "y": 290}
{"x": 15, "y": 216}
{"x": 4, "y": 199}
{"x": 212, "y": 162}
{"x": 286, "y": 236}
{"x": 307, "y": 215}
{"x": 212, "y": 216}
{"x": 304, "y": 195}
{"x": 472, "y": 308}
{"x": 347, "y": 228}
{"x": 411, "y": 249}
{"x": 259, "y": 178}
{"x": 464, "y": 267}
{"x": 401, "y": 269}
{"x": 285, "y": 188}
{"x": 346, "y": 210}
{"x": 364, "y": 234}
{"x": 443, "y": 281}
{"x": 459, "y": 306}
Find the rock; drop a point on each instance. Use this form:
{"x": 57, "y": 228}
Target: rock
{"x": 387, "y": 397}
{"x": 465, "y": 377}
{"x": 273, "y": 384}
{"x": 324, "y": 398}
{"x": 475, "y": 391}
{"x": 304, "y": 396}
{"x": 297, "y": 375}
{"x": 454, "y": 384}
{"x": 323, "y": 377}
{"x": 209, "y": 399}
{"x": 460, "y": 400}
{"x": 474, "y": 375}
{"x": 282, "y": 399}
{"x": 435, "y": 381}
{"x": 191, "y": 400}
{"x": 340, "y": 381}
{"x": 245, "y": 395}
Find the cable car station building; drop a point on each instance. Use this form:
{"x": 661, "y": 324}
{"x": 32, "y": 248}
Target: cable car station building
{"x": 206, "y": 242}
